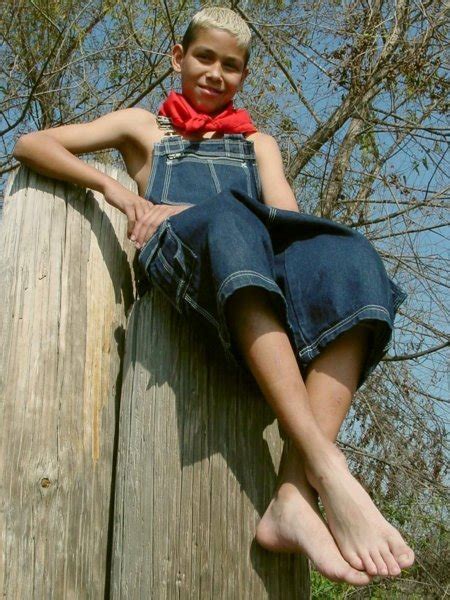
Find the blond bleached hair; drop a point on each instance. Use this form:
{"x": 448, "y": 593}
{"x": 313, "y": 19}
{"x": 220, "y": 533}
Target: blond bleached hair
{"x": 220, "y": 18}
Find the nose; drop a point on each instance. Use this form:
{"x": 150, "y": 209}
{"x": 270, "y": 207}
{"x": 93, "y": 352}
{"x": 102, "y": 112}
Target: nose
{"x": 215, "y": 71}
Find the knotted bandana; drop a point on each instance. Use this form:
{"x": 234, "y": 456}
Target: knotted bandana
{"x": 187, "y": 119}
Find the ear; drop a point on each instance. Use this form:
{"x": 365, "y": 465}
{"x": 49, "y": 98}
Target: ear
{"x": 177, "y": 57}
{"x": 245, "y": 72}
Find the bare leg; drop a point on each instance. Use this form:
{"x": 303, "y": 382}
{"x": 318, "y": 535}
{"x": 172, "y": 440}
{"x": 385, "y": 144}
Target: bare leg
{"x": 364, "y": 538}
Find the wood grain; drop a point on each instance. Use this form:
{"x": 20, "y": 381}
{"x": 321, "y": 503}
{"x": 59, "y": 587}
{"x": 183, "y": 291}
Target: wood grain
{"x": 198, "y": 454}
{"x": 66, "y": 286}
{"x": 135, "y": 461}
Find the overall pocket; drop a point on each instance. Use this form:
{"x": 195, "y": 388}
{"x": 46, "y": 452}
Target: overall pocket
{"x": 171, "y": 266}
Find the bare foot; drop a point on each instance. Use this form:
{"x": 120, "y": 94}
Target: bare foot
{"x": 293, "y": 523}
{"x": 364, "y": 537}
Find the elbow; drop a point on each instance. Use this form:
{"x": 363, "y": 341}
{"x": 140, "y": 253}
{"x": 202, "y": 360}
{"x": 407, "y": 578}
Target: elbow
{"x": 19, "y": 152}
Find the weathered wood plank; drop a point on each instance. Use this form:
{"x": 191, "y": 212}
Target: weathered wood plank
{"x": 194, "y": 471}
{"x": 197, "y": 461}
{"x": 66, "y": 287}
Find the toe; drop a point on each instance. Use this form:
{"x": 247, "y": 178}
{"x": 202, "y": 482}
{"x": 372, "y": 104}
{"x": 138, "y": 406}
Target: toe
{"x": 391, "y": 563}
{"x": 355, "y": 577}
{"x": 401, "y": 552}
{"x": 354, "y": 560}
{"x": 369, "y": 566}
{"x": 406, "y": 559}
{"x": 379, "y": 562}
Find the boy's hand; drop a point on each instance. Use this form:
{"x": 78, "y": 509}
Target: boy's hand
{"x": 132, "y": 205}
{"x": 149, "y": 222}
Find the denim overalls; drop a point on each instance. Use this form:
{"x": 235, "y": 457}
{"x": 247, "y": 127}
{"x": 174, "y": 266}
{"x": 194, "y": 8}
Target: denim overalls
{"x": 323, "y": 278}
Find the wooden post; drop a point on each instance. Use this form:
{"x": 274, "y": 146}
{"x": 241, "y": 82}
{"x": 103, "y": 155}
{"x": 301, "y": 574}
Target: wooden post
{"x": 197, "y": 460}
{"x": 66, "y": 286}
{"x": 127, "y": 477}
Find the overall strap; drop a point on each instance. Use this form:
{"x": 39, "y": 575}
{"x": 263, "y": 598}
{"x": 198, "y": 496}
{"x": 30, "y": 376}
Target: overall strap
{"x": 165, "y": 124}
{"x": 235, "y": 143}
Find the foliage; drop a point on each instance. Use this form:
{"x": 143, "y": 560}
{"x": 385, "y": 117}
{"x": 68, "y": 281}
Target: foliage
{"x": 356, "y": 94}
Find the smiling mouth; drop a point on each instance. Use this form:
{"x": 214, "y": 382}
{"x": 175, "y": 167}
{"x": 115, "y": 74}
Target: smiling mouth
{"x": 211, "y": 91}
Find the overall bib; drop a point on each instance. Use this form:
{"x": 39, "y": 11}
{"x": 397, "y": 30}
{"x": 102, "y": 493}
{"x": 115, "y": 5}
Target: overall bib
{"x": 323, "y": 278}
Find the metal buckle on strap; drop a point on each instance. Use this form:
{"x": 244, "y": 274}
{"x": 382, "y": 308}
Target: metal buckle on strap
{"x": 165, "y": 124}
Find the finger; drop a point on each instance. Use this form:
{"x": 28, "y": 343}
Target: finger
{"x": 141, "y": 229}
{"x": 149, "y": 212}
{"x": 151, "y": 230}
{"x": 141, "y": 208}
{"x": 131, "y": 220}
{"x": 149, "y": 225}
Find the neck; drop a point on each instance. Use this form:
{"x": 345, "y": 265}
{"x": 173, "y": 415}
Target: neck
{"x": 211, "y": 114}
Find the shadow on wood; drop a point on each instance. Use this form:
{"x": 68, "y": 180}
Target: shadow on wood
{"x": 136, "y": 477}
{"x": 67, "y": 283}
{"x": 194, "y": 472}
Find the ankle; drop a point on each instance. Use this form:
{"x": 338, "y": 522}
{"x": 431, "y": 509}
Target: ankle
{"x": 290, "y": 491}
{"x": 287, "y": 491}
{"x": 323, "y": 463}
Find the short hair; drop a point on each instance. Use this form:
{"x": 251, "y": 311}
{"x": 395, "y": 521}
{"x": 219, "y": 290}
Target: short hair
{"x": 220, "y": 18}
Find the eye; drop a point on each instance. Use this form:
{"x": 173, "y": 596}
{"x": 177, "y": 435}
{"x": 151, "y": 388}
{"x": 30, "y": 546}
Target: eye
{"x": 204, "y": 57}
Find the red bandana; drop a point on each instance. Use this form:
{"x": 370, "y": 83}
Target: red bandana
{"x": 188, "y": 120}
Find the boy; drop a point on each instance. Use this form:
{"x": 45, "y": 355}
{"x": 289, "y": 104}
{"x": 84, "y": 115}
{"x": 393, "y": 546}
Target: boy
{"x": 356, "y": 543}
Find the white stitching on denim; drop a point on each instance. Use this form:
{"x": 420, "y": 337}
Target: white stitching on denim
{"x": 201, "y": 310}
{"x": 166, "y": 295}
{"x": 177, "y": 238}
{"x": 257, "y": 179}
{"x": 222, "y": 317}
{"x": 201, "y": 158}
{"x": 243, "y": 273}
{"x": 180, "y": 281}
{"x": 239, "y": 273}
{"x": 166, "y": 181}
{"x": 167, "y": 267}
{"x": 178, "y": 295}
{"x": 141, "y": 250}
{"x": 272, "y": 213}
{"x": 248, "y": 177}
{"x": 339, "y": 325}
{"x": 227, "y": 146}
{"x": 242, "y": 149}
{"x": 214, "y": 176}
{"x": 151, "y": 179}
{"x": 208, "y": 315}
{"x": 171, "y": 203}
{"x": 217, "y": 324}
{"x": 163, "y": 225}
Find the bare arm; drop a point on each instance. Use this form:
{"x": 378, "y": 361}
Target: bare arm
{"x": 51, "y": 152}
{"x": 276, "y": 191}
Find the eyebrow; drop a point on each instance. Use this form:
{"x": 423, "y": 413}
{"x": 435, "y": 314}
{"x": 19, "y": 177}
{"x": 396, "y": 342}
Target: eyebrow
{"x": 235, "y": 59}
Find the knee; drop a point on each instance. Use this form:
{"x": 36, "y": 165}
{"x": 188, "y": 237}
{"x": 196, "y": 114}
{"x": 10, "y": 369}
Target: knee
{"x": 232, "y": 226}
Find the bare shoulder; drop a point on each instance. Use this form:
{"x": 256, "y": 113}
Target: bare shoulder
{"x": 266, "y": 146}
{"x": 276, "y": 190}
{"x": 134, "y": 120}
{"x": 263, "y": 143}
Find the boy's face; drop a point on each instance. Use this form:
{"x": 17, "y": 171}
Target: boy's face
{"x": 212, "y": 70}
